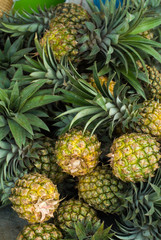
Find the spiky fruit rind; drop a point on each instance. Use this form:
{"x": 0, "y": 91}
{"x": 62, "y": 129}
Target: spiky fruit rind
{"x": 150, "y": 121}
{"x": 72, "y": 211}
{"x": 45, "y": 160}
{"x": 77, "y": 153}
{"x": 100, "y": 189}
{"x": 35, "y": 198}
{"x": 63, "y": 32}
{"x": 40, "y": 232}
{"x": 135, "y": 157}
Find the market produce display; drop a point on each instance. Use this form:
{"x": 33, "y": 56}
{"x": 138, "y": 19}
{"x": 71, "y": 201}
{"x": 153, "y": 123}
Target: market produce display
{"x": 80, "y": 119}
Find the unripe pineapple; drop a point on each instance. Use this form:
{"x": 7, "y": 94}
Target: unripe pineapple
{"x": 41, "y": 231}
{"x": 42, "y": 155}
{"x": 150, "y": 121}
{"x": 35, "y": 198}
{"x": 72, "y": 211}
{"x": 77, "y": 153}
{"x": 134, "y": 157}
{"x": 63, "y": 32}
{"x": 100, "y": 189}
{"x": 5, "y": 6}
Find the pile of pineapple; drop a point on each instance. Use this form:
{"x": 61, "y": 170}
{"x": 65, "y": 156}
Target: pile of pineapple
{"x": 80, "y": 120}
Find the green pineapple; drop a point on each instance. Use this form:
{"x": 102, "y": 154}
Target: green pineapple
{"x": 43, "y": 160}
{"x": 35, "y": 198}
{"x": 71, "y": 211}
{"x": 77, "y": 153}
{"x": 134, "y": 157}
{"x": 40, "y": 231}
{"x": 101, "y": 190}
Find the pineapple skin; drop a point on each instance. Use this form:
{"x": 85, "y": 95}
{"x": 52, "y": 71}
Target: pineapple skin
{"x": 72, "y": 211}
{"x": 40, "y": 232}
{"x": 63, "y": 31}
{"x": 134, "y": 157}
{"x": 34, "y": 198}
{"x": 77, "y": 153}
{"x": 150, "y": 121}
{"x": 100, "y": 189}
{"x": 44, "y": 161}
{"x": 154, "y": 87}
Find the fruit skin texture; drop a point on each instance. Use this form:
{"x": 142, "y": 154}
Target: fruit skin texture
{"x": 63, "y": 32}
{"x": 72, "y": 211}
{"x": 77, "y": 153}
{"x": 44, "y": 160}
{"x": 150, "y": 121}
{"x": 100, "y": 189}
{"x": 39, "y": 232}
{"x": 134, "y": 157}
{"x": 35, "y": 198}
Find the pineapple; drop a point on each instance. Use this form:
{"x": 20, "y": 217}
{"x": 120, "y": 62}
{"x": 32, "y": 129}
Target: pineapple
{"x": 134, "y": 157}
{"x": 35, "y": 198}
{"x": 63, "y": 32}
{"x": 98, "y": 36}
{"x": 154, "y": 86}
{"x": 71, "y": 211}
{"x": 39, "y": 232}
{"x": 5, "y": 6}
{"x": 101, "y": 189}
{"x": 77, "y": 153}
{"x": 43, "y": 160}
{"x": 150, "y": 121}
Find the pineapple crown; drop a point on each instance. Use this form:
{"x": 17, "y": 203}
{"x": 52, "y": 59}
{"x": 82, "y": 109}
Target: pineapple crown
{"x": 113, "y": 33}
{"x": 20, "y": 111}
{"x": 131, "y": 230}
{"x": 45, "y": 67}
{"x": 27, "y": 24}
{"x": 12, "y": 53}
{"x": 99, "y": 109}
{"x": 83, "y": 230}
{"x": 142, "y": 201}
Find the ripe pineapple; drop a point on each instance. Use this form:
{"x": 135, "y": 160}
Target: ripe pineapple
{"x": 150, "y": 121}
{"x": 77, "y": 153}
{"x": 134, "y": 157}
{"x": 101, "y": 189}
{"x": 35, "y": 198}
{"x": 39, "y": 232}
{"x": 5, "y": 6}
{"x": 71, "y": 211}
